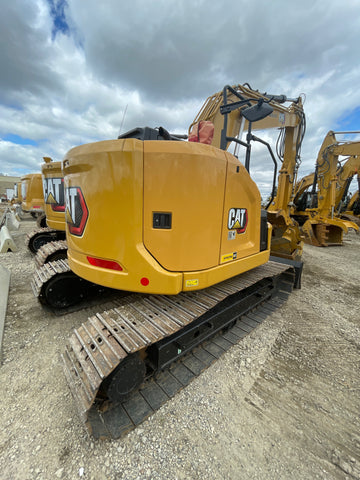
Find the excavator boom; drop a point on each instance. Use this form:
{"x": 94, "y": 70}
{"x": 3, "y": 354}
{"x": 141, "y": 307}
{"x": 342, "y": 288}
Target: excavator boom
{"x": 231, "y": 111}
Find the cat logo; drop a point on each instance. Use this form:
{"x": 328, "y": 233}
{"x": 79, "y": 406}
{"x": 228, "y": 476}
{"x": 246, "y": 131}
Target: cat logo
{"x": 76, "y": 213}
{"x": 54, "y": 193}
{"x": 238, "y": 219}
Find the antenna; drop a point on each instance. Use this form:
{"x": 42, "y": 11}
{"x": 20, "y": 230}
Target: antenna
{"x": 122, "y": 121}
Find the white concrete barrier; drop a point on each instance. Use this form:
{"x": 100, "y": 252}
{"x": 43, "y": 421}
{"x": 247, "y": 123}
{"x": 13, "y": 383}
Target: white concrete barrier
{"x": 6, "y": 242}
{"x": 11, "y": 221}
{"x": 4, "y": 292}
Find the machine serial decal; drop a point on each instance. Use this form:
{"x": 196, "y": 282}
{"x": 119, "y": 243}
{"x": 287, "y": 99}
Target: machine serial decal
{"x": 76, "y": 213}
{"x": 237, "y": 219}
{"x": 192, "y": 283}
{"x": 228, "y": 257}
{"x": 54, "y": 193}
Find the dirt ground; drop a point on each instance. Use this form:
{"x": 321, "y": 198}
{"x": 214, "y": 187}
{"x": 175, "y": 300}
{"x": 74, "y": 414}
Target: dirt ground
{"x": 283, "y": 403}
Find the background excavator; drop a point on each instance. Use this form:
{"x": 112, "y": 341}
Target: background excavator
{"x": 32, "y": 195}
{"x": 51, "y": 241}
{"x": 353, "y": 207}
{"x": 344, "y": 205}
{"x": 190, "y": 236}
{"x": 51, "y": 227}
{"x": 320, "y": 224}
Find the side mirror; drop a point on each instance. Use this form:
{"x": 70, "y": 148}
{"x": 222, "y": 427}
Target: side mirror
{"x": 257, "y": 112}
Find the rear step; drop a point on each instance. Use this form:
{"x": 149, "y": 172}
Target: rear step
{"x": 176, "y": 337}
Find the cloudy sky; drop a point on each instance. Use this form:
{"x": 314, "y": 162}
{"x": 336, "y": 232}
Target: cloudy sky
{"x": 76, "y": 71}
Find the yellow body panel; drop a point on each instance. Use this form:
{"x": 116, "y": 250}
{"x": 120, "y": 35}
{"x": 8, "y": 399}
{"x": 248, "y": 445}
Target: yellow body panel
{"x": 113, "y": 188}
{"x": 196, "y": 206}
{"x": 32, "y": 193}
{"x": 206, "y": 278}
{"x": 241, "y": 193}
{"x": 53, "y": 189}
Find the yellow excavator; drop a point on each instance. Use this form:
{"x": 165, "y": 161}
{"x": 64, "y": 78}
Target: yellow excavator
{"x": 181, "y": 224}
{"x": 345, "y": 206}
{"x": 31, "y": 194}
{"x": 353, "y": 207}
{"x": 320, "y": 224}
{"x": 344, "y": 174}
{"x": 51, "y": 241}
{"x": 44, "y": 240}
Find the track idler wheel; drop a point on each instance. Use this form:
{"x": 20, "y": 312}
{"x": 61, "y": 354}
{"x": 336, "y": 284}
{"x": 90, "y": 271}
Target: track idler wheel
{"x": 58, "y": 255}
{"x": 65, "y": 290}
{"x": 127, "y": 377}
{"x": 38, "y": 240}
{"x": 41, "y": 221}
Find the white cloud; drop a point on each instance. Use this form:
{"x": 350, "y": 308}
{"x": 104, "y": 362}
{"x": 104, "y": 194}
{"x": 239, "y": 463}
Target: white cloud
{"x": 159, "y": 61}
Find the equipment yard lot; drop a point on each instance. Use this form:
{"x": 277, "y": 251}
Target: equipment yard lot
{"x": 283, "y": 403}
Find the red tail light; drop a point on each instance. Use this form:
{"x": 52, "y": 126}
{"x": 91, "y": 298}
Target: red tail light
{"x": 109, "y": 264}
{"x": 58, "y": 208}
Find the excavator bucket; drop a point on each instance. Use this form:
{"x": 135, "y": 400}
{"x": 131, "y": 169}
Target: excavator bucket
{"x": 322, "y": 234}
{"x": 286, "y": 240}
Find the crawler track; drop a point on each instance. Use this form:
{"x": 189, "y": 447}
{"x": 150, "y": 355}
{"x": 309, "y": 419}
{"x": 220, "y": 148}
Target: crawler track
{"x": 50, "y": 252}
{"x": 46, "y": 272}
{"x": 61, "y": 290}
{"x": 39, "y": 237}
{"x": 177, "y": 336}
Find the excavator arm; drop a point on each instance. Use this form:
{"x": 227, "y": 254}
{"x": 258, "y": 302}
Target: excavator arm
{"x": 239, "y": 108}
{"x": 234, "y": 101}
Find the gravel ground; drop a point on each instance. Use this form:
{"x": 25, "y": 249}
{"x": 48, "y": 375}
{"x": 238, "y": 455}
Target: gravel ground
{"x": 283, "y": 403}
